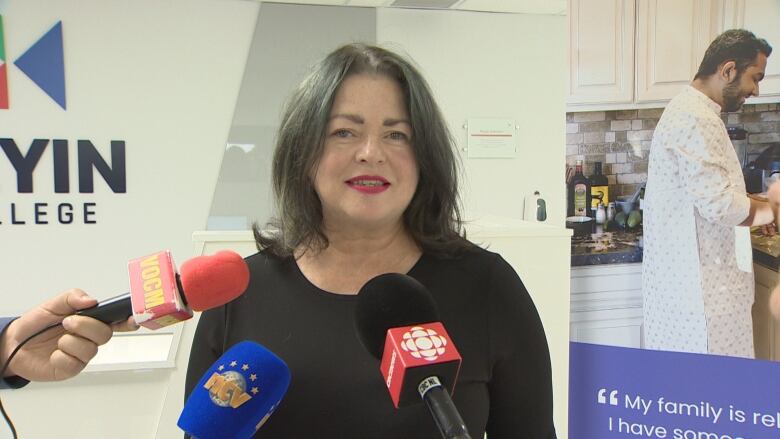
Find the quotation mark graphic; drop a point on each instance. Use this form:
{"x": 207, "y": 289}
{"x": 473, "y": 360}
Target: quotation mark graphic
{"x": 602, "y": 399}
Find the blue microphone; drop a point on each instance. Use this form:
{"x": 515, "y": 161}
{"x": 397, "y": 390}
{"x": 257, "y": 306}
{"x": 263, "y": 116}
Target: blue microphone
{"x": 237, "y": 394}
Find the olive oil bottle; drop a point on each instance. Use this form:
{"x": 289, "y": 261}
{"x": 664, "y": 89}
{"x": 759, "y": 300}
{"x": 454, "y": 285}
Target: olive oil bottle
{"x": 579, "y": 193}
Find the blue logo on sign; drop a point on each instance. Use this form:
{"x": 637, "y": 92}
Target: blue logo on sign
{"x": 44, "y": 64}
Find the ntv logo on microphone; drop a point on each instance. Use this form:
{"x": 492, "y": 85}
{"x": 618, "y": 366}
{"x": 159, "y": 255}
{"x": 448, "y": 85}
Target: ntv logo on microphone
{"x": 229, "y": 387}
{"x": 44, "y": 64}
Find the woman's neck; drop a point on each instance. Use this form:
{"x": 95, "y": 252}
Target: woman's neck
{"x": 353, "y": 258}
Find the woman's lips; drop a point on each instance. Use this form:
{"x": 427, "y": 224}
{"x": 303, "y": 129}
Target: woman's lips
{"x": 368, "y": 184}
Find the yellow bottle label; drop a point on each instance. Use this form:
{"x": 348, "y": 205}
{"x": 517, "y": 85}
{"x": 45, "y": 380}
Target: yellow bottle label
{"x": 599, "y": 194}
{"x": 580, "y": 200}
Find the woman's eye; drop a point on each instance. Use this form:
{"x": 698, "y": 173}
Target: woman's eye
{"x": 397, "y": 135}
{"x": 342, "y": 133}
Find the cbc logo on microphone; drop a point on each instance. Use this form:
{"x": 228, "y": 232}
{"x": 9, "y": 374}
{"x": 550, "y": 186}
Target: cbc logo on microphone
{"x": 424, "y": 343}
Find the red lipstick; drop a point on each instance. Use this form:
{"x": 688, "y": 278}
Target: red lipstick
{"x": 368, "y": 184}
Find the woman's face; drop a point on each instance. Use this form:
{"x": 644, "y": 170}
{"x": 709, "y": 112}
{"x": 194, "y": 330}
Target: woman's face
{"x": 367, "y": 174}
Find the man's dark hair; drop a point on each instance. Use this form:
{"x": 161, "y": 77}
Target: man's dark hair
{"x": 738, "y": 45}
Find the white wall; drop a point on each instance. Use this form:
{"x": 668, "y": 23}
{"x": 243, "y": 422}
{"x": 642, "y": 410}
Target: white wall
{"x": 487, "y": 65}
{"x": 480, "y": 65}
{"x": 163, "y": 77}
{"x": 288, "y": 40}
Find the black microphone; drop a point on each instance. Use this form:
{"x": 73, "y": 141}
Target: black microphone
{"x": 397, "y": 322}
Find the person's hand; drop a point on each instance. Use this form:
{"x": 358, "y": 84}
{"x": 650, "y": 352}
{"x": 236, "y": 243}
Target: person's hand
{"x": 58, "y": 353}
{"x": 773, "y": 197}
{"x": 769, "y": 229}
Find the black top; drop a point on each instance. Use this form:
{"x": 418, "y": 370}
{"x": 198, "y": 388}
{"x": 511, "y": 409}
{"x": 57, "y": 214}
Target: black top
{"x": 337, "y": 390}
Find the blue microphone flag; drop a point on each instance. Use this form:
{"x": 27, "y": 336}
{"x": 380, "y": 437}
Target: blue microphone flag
{"x": 237, "y": 394}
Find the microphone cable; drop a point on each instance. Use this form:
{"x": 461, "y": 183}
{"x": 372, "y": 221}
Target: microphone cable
{"x": 5, "y": 367}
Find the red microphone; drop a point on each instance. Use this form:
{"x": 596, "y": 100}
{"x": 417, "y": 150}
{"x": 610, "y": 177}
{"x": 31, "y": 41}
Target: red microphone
{"x": 397, "y": 321}
{"x": 418, "y": 355}
{"x": 159, "y": 297}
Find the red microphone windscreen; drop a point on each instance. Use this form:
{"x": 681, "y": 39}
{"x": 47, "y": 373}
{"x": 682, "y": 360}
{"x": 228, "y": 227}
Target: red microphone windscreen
{"x": 212, "y": 281}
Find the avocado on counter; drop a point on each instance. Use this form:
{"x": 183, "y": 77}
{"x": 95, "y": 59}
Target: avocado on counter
{"x": 621, "y": 220}
{"x": 634, "y": 219}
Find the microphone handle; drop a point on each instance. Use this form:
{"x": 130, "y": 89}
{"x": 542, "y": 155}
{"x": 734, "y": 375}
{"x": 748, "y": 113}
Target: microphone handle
{"x": 118, "y": 308}
{"x": 114, "y": 310}
{"x": 444, "y": 412}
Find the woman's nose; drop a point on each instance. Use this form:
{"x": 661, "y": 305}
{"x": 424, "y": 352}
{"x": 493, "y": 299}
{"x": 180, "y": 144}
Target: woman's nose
{"x": 370, "y": 150}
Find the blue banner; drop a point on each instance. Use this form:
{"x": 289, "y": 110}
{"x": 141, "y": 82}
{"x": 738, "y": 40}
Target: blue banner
{"x": 633, "y": 393}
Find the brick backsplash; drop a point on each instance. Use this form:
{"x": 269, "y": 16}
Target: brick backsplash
{"x": 621, "y": 140}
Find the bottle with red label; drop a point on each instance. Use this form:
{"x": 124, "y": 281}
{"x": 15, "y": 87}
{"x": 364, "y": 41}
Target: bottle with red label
{"x": 579, "y": 193}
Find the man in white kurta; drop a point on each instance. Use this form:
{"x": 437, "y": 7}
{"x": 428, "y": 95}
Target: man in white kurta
{"x": 697, "y": 294}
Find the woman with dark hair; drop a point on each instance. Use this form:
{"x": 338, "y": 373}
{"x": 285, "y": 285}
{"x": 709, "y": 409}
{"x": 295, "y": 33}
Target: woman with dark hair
{"x": 365, "y": 180}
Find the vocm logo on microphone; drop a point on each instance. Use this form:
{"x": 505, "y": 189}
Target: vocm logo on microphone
{"x": 44, "y": 64}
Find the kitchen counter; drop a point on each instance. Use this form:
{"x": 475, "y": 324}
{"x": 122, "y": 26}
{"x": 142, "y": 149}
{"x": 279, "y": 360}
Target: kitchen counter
{"x": 617, "y": 247}
{"x": 620, "y": 247}
{"x": 766, "y": 249}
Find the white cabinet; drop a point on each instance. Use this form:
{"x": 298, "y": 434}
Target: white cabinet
{"x": 606, "y": 305}
{"x": 606, "y": 308}
{"x": 766, "y": 329}
{"x": 671, "y": 38}
{"x": 601, "y": 51}
{"x": 762, "y": 17}
{"x": 641, "y": 53}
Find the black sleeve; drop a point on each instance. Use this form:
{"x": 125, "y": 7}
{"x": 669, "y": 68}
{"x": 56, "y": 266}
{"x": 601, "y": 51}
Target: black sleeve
{"x": 520, "y": 387}
{"x": 10, "y": 382}
{"x": 207, "y": 346}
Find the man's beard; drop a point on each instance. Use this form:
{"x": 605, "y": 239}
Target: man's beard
{"x": 732, "y": 97}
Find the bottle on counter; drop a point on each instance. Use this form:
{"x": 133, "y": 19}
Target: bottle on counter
{"x": 611, "y": 211}
{"x": 601, "y": 214}
{"x": 599, "y": 186}
{"x": 579, "y": 193}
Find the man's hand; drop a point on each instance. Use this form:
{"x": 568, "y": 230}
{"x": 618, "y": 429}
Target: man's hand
{"x": 58, "y": 353}
{"x": 769, "y": 229}
{"x": 773, "y": 197}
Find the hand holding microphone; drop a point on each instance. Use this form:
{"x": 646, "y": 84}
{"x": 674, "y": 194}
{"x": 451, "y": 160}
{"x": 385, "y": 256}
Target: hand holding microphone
{"x": 237, "y": 394}
{"x": 397, "y": 322}
{"x": 61, "y": 354}
{"x": 32, "y": 350}
{"x": 156, "y": 299}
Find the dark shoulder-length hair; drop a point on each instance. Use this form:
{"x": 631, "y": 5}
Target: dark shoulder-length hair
{"x": 432, "y": 217}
